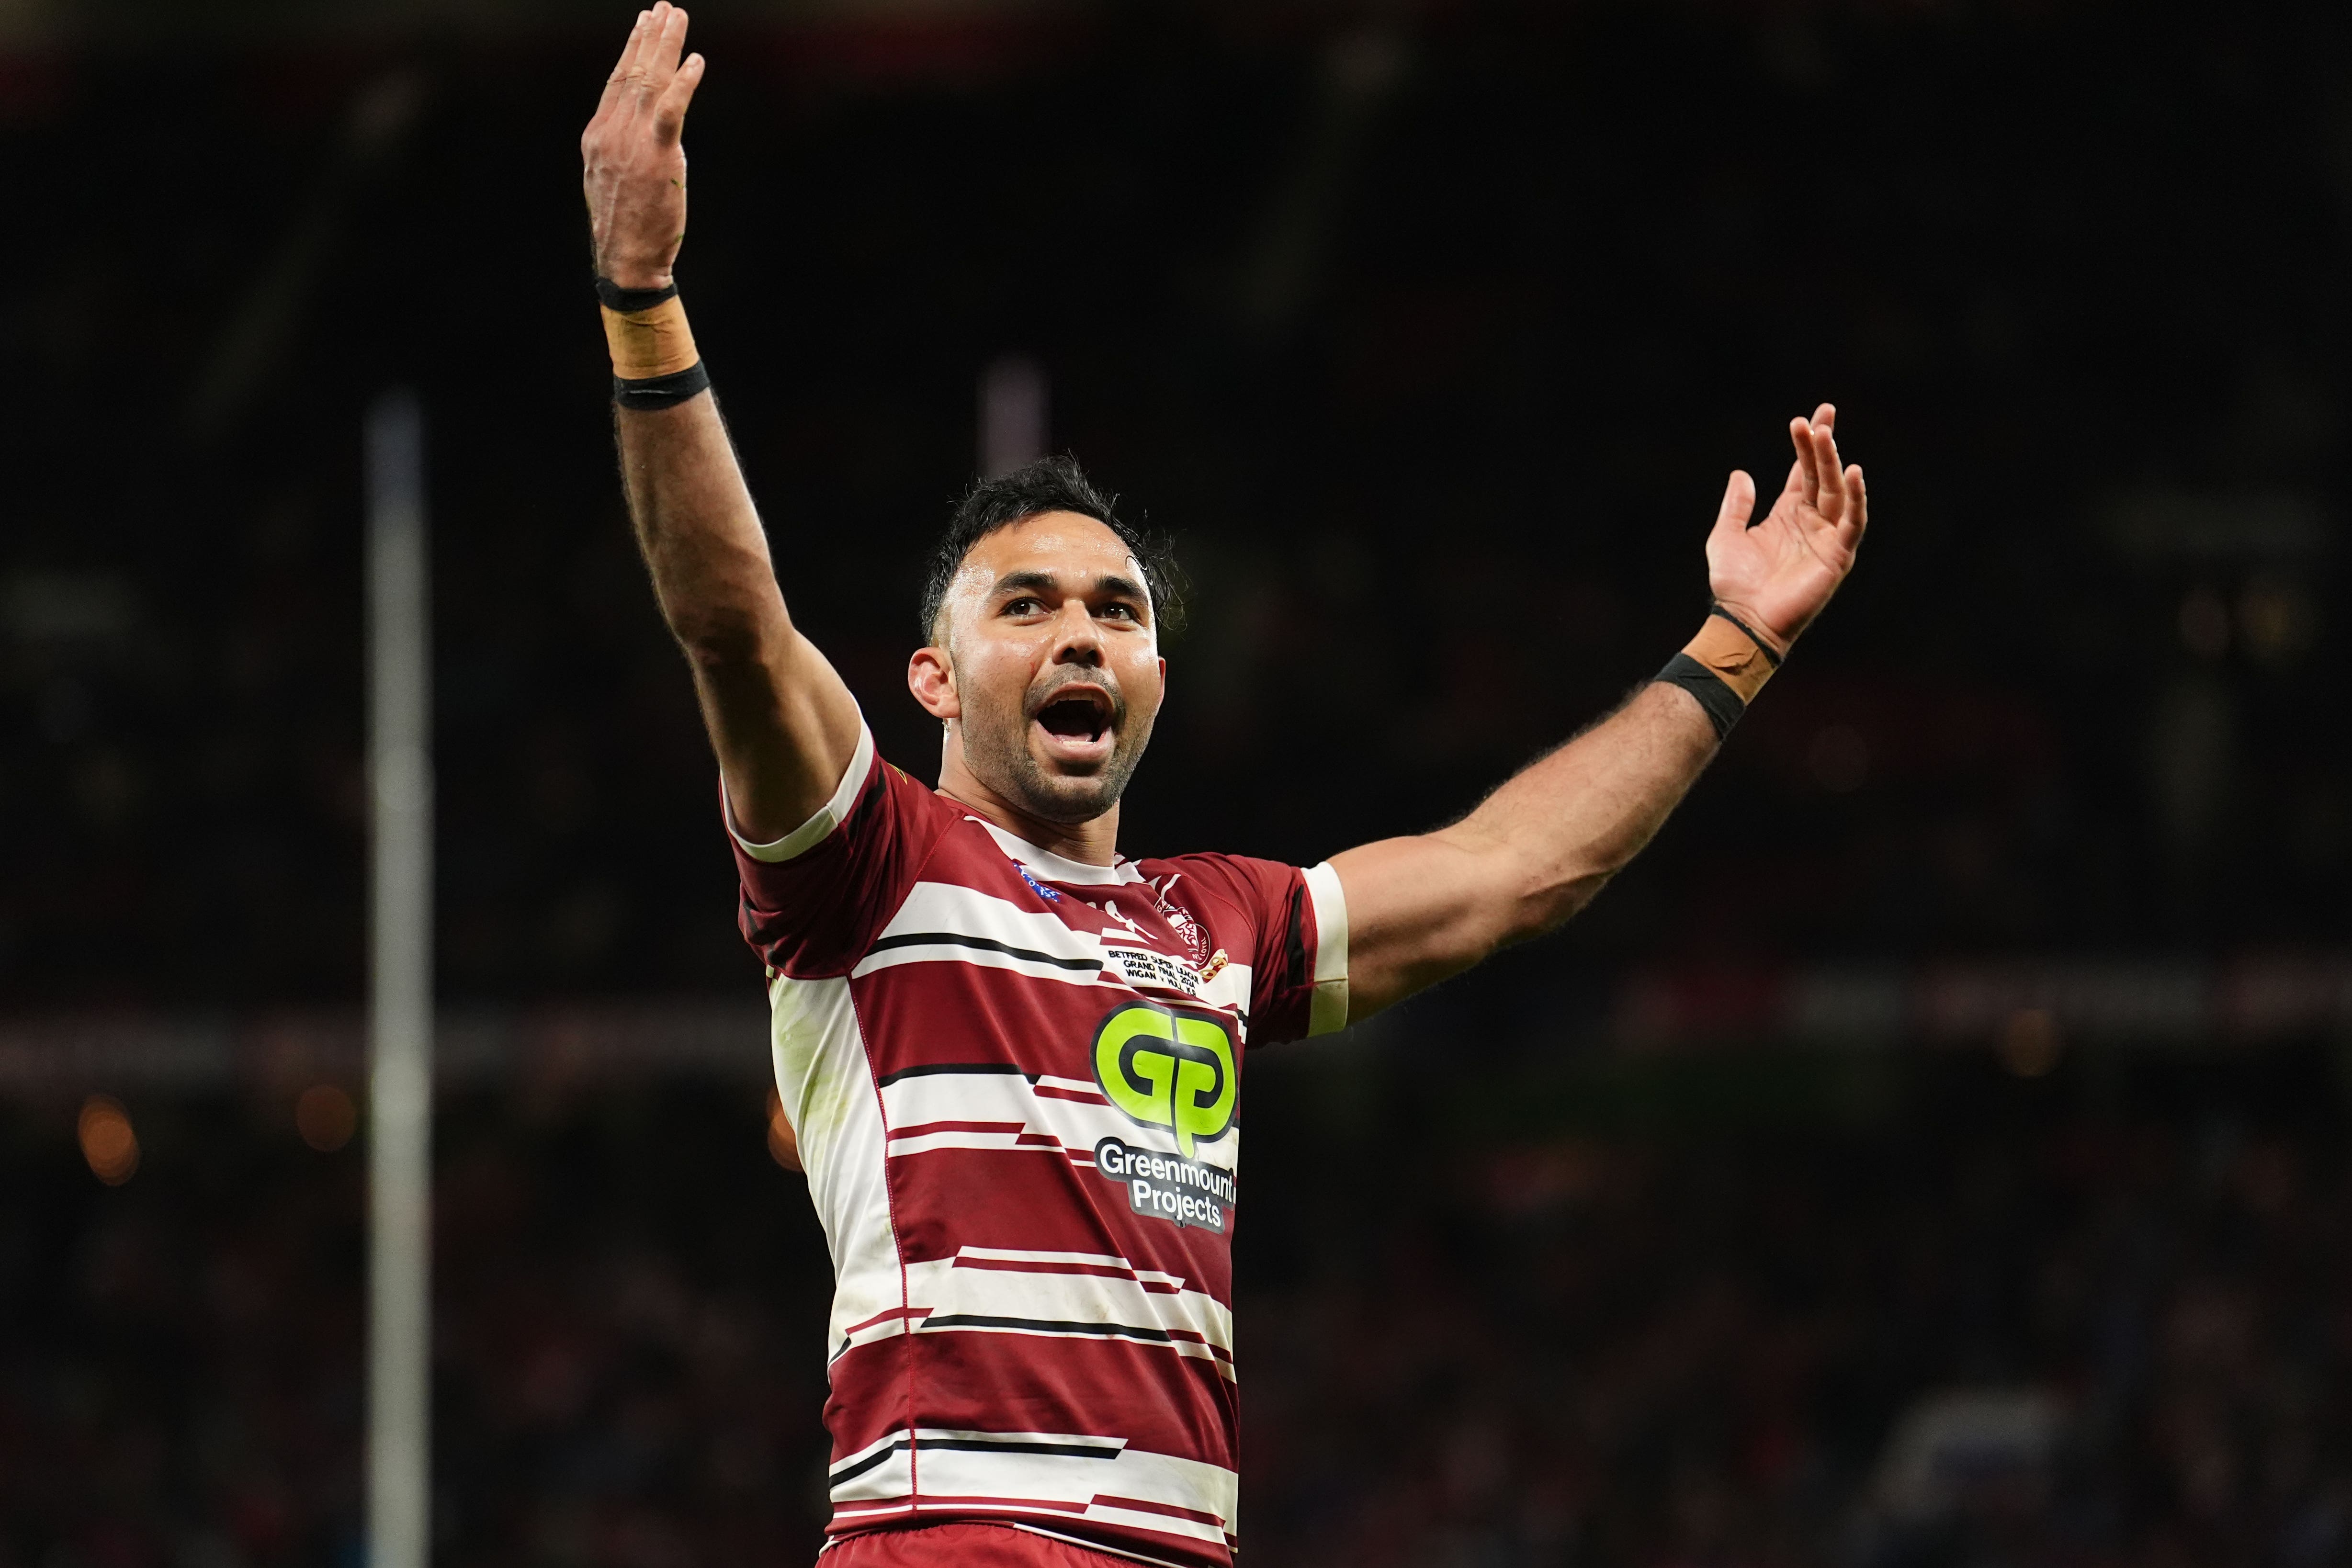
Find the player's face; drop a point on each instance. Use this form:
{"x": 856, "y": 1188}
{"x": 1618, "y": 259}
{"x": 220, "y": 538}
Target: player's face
{"x": 1055, "y": 666}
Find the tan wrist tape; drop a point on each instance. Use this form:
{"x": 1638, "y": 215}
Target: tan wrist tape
{"x": 651, "y": 343}
{"x": 1733, "y": 654}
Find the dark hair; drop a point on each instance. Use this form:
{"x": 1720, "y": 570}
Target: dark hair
{"x": 1049, "y": 484}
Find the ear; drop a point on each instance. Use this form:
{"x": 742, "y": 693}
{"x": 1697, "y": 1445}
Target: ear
{"x": 932, "y": 677}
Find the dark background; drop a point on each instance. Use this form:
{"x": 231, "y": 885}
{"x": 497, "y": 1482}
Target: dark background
{"x": 1430, "y": 334}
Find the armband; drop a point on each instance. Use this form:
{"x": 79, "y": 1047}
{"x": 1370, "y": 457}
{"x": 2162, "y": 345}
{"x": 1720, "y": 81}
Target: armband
{"x": 1723, "y": 667}
{"x": 655, "y": 361}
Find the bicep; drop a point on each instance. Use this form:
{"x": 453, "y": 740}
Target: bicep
{"x": 784, "y": 726}
{"x": 1420, "y": 909}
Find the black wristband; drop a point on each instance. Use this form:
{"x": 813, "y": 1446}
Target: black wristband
{"x": 612, "y": 296}
{"x": 1721, "y": 704}
{"x": 667, "y": 391}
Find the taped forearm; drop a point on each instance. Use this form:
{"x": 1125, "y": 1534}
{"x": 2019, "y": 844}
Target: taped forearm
{"x": 655, "y": 361}
{"x": 1723, "y": 667}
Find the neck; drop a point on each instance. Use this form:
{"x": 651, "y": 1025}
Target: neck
{"x": 1091, "y": 843}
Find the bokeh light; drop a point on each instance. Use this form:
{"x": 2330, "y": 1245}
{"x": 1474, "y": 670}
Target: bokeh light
{"x": 108, "y": 1142}
{"x": 325, "y": 1117}
{"x": 2029, "y": 1043}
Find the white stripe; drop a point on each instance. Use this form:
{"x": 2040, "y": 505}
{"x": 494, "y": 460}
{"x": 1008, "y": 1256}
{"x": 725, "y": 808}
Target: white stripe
{"x": 1016, "y": 1255}
{"x": 1110, "y": 1301}
{"x": 1328, "y": 1011}
{"x": 1090, "y": 1259}
{"x": 867, "y": 1450}
{"x": 827, "y": 1091}
{"x": 888, "y": 1328}
{"x": 981, "y": 958}
{"x": 893, "y": 1478}
{"x": 1136, "y": 1519}
{"x": 1230, "y": 988}
{"x": 1060, "y": 1478}
{"x": 952, "y": 909}
{"x": 829, "y": 816}
{"x": 1125, "y": 1472}
{"x": 1047, "y": 1080}
{"x": 946, "y": 908}
{"x": 1185, "y": 1348}
{"x": 924, "y": 1143}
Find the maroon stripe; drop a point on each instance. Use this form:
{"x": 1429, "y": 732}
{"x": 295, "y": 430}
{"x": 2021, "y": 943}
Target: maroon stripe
{"x": 943, "y": 1200}
{"x": 1198, "y": 1516}
{"x": 1008, "y": 1266}
{"x": 1153, "y": 1396}
{"x": 884, "y": 1315}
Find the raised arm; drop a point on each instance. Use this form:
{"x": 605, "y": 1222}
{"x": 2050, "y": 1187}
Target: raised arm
{"x": 1539, "y": 848}
{"x": 783, "y": 723}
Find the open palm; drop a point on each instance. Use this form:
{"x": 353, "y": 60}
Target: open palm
{"x": 632, "y": 160}
{"x": 1777, "y": 573}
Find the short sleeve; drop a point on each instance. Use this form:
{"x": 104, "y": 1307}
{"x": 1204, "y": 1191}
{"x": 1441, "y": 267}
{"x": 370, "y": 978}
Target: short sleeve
{"x": 1294, "y": 924}
{"x": 814, "y": 899}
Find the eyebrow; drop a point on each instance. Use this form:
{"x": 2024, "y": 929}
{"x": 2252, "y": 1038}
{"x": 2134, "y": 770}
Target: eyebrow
{"x": 1110, "y": 584}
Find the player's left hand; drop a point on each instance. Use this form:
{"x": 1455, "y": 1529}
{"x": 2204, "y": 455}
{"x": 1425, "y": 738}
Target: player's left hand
{"x": 1776, "y": 575}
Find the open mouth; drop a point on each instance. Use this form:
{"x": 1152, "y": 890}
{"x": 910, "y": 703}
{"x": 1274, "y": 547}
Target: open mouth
{"x": 1077, "y": 721}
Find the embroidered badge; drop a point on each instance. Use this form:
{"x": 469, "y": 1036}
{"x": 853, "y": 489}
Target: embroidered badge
{"x": 1196, "y": 935}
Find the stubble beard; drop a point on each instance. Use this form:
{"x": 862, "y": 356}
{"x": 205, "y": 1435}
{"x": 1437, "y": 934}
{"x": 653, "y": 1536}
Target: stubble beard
{"x": 998, "y": 753}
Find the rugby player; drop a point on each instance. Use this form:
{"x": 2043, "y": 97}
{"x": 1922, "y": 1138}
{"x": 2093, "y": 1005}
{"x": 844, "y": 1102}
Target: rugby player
{"x": 1012, "y": 1056}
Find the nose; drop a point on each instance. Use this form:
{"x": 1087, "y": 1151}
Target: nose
{"x": 1076, "y": 638}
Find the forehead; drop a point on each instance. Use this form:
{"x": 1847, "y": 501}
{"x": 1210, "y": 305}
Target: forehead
{"x": 1063, "y": 544}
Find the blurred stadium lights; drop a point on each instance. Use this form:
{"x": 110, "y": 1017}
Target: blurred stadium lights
{"x": 2017, "y": 1007}
{"x": 69, "y": 1055}
{"x": 2151, "y": 1001}
{"x": 1955, "y": 1448}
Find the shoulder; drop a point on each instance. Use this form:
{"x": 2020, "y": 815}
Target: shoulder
{"x": 1259, "y": 894}
{"x": 1218, "y": 875}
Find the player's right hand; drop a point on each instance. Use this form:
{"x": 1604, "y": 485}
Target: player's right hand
{"x": 634, "y": 165}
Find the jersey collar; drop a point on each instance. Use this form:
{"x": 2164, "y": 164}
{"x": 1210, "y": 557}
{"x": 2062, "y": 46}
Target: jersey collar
{"x": 1048, "y": 866}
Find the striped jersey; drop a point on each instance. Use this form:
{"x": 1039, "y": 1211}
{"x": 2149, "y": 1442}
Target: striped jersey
{"x": 1016, "y": 1080}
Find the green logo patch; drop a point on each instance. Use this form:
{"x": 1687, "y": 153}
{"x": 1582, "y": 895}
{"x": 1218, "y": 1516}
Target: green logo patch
{"x": 1169, "y": 1069}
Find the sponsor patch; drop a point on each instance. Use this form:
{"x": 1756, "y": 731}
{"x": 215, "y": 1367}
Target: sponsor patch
{"x": 1168, "y": 1186}
{"x": 1169, "y": 1067}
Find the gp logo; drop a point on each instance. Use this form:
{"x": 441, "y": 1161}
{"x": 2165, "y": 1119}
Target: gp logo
{"x": 1169, "y": 1069}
